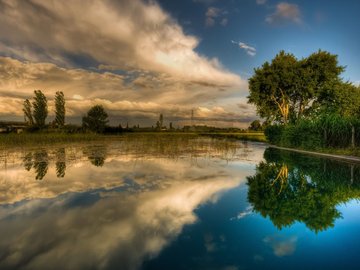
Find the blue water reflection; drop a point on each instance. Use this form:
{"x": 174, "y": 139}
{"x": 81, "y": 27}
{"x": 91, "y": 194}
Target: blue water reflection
{"x": 193, "y": 203}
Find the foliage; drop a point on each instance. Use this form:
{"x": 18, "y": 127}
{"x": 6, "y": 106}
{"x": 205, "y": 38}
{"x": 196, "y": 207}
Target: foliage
{"x": 40, "y": 108}
{"x": 255, "y": 125}
{"x": 59, "y": 109}
{"x": 273, "y": 133}
{"x": 96, "y": 119}
{"x": 326, "y": 130}
{"x": 289, "y": 187}
{"x": 288, "y": 88}
{"x": 28, "y": 112}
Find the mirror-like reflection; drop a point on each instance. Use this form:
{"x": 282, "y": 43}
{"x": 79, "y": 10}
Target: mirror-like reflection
{"x": 110, "y": 205}
{"x": 171, "y": 202}
{"x": 289, "y": 187}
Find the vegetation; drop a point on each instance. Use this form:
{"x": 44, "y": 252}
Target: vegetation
{"x": 289, "y": 187}
{"x": 96, "y": 119}
{"x": 40, "y": 109}
{"x": 44, "y": 138}
{"x": 59, "y": 109}
{"x": 287, "y": 89}
{"x": 28, "y": 113}
{"x": 306, "y": 103}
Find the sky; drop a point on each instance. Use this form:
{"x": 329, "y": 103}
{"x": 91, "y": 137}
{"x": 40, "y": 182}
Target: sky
{"x": 140, "y": 58}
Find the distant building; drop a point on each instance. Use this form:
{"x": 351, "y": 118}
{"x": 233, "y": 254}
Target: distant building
{"x": 12, "y": 126}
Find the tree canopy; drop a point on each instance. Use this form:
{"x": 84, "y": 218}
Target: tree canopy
{"x": 59, "y": 109}
{"x": 96, "y": 119}
{"x": 40, "y": 108}
{"x": 287, "y": 88}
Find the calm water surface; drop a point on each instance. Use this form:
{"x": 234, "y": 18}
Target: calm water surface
{"x": 176, "y": 203}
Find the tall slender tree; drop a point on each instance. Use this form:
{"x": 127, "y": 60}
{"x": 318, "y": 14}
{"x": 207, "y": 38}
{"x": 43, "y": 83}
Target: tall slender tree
{"x": 40, "y": 108}
{"x": 59, "y": 109}
{"x": 28, "y": 112}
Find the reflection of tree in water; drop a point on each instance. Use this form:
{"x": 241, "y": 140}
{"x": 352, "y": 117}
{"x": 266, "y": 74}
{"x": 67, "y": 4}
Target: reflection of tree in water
{"x": 96, "y": 155}
{"x": 60, "y": 162}
{"x": 40, "y": 163}
{"x": 289, "y": 187}
{"x": 28, "y": 161}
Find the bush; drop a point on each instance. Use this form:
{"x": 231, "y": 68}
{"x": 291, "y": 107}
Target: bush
{"x": 273, "y": 133}
{"x": 330, "y": 130}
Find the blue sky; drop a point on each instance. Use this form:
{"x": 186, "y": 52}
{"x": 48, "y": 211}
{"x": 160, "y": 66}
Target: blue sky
{"x": 327, "y": 25}
{"x": 140, "y": 58}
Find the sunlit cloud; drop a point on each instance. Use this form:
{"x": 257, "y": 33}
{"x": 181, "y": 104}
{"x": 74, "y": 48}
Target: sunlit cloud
{"x": 133, "y": 53}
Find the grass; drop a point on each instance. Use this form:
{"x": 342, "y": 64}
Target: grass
{"x": 46, "y": 138}
{"x": 23, "y": 139}
{"x": 253, "y": 136}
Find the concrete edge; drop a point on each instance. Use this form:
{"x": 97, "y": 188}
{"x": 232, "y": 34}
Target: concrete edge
{"x": 339, "y": 157}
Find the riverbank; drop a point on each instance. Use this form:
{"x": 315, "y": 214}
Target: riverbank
{"x": 44, "y": 138}
{"x": 250, "y": 136}
{"x": 344, "y": 154}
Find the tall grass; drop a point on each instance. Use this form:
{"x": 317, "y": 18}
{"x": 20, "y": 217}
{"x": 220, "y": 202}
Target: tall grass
{"x": 327, "y": 131}
{"x": 23, "y": 139}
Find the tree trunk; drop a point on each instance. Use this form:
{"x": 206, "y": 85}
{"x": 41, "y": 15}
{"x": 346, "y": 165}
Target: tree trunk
{"x": 325, "y": 137}
{"x": 352, "y": 136}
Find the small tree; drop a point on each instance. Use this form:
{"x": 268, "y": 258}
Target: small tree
{"x": 255, "y": 125}
{"x": 59, "y": 109}
{"x": 28, "y": 113}
{"x": 40, "y": 108}
{"x": 96, "y": 119}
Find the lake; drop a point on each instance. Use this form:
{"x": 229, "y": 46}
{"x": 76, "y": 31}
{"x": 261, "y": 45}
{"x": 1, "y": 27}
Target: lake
{"x": 171, "y": 202}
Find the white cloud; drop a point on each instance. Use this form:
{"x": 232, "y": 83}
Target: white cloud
{"x": 248, "y": 49}
{"x": 133, "y": 53}
{"x": 126, "y": 34}
{"x": 285, "y": 12}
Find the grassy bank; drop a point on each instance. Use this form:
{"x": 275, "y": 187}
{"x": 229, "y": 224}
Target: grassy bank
{"x": 254, "y": 136}
{"x": 46, "y": 138}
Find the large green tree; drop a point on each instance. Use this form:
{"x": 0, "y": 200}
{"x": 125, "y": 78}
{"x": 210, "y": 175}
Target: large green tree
{"x": 59, "y": 109}
{"x": 40, "y": 108}
{"x": 287, "y": 88}
{"x": 96, "y": 119}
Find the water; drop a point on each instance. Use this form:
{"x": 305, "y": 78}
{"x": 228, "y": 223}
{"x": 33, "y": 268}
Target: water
{"x": 176, "y": 203}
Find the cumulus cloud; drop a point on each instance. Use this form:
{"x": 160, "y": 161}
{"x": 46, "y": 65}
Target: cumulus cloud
{"x": 123, "y": 54}
{"x": 141, "y": 65}
{"x": 247, "y": 48}
{"x": 134, "y": 94}
{"x": 285, "y": 12}
{"x": 126, "y": 34}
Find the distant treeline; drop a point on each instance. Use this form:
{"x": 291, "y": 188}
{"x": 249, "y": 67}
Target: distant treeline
{"x": 96, "y": 120}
